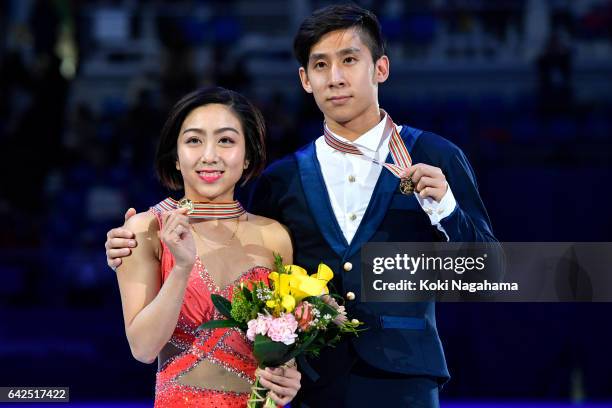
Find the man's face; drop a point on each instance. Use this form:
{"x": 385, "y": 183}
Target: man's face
{"x": 342, "y": 76}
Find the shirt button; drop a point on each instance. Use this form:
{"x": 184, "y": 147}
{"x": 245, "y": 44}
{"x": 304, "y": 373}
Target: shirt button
{"x": 350, "y": 296}
{"x": 347, "y": 266}
{"x": 440, "y": 211}
{"x": 352, "y": 217}
{"x": 428, "y": 211}
{"x": 351, "y": 179}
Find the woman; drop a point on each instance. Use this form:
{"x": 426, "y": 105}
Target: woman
{"x": 212, "y": 139}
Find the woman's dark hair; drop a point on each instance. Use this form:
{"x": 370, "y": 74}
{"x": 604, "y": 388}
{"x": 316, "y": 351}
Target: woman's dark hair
{"x": 250, "y": 118}
{"x": 338, "y": 17}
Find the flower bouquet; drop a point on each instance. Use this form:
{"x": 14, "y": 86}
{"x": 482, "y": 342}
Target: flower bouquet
{"x": 294, "y": 314}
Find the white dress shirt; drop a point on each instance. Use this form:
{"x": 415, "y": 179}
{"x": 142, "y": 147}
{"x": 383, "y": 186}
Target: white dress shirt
{"x": 350, "y": 180}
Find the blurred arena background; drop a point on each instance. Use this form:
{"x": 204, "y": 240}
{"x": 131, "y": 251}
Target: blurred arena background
{"x": 524, "y": 87}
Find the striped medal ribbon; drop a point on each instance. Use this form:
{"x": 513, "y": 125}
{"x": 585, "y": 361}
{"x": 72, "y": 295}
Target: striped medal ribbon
{"x": 397, "y": 147}
{"x": 201, "y": 210}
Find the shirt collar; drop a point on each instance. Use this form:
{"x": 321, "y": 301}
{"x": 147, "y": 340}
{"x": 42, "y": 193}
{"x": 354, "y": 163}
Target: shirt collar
{"x": 370, "y": 140}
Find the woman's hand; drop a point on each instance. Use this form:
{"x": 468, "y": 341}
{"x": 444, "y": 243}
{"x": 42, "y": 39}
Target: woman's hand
{"x": 283, "y": 382}
{"x": 176, "y": 234}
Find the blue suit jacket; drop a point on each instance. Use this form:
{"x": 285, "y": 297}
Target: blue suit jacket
{"x": 401, "y": 337}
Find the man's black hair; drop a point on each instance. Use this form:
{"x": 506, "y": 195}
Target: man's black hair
{"x": 338, "y": 17}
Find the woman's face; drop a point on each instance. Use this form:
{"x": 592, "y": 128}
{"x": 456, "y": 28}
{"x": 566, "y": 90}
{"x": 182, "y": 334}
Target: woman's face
{"x": 211, "y": 153}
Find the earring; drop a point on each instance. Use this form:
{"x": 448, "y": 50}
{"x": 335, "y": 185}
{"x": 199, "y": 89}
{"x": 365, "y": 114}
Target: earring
{"x": 246, "y": 164}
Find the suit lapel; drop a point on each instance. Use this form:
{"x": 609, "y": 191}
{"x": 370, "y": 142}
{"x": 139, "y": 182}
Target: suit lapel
{"x": 383, "y": 192}
{"x": 318, "y": 200}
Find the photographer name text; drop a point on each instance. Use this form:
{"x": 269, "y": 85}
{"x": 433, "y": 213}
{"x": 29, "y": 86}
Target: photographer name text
{"x": 444, "y": 285}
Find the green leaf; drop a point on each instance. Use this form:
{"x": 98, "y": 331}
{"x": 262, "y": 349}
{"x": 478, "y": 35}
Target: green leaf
{"x": 331, "y": 332}
{"x": 327, "y": 309}
{"x": 259, "y": 285}
{"x": 300, "y": 349}
{"x": 223, "y": 305}
{"x": 247, "y": 293}
{"x": 269, "y": 353}
{"x": 215, "y": 324}
{"x": 317, "y": 302}
{"x": 278, "y": 263}
{"x": 312, "y": 299}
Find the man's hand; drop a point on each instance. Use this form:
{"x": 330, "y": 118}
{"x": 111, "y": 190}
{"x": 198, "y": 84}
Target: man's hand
{"x": 429, "y": 181}
{"x": 118, "y": 243}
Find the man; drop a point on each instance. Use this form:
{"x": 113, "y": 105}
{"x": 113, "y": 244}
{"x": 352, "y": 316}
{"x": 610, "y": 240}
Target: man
{"x": 334, "y": 196}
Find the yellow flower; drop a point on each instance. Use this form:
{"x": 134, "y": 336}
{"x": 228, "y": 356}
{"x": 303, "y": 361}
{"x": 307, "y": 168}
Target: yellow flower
{"x": 273, "y": 276}
{"x": 324, "y": 272}
{"x": 284, "y": 284}
{"x": 271, "y": 303}
{"x": 288, "y": 303}
{"x": 295, "y": 270}
{"x": 281, "y": 283}
{"x": 302, "y": 285}
{"x": 298, "y": 284}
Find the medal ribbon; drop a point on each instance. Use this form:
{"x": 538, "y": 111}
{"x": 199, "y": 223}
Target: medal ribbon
{"x": 397, "y": 147}
{"x": 207, "y": 211}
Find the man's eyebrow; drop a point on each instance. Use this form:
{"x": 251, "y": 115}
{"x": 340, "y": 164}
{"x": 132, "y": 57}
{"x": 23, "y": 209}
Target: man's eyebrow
{"x": 349, "y": 50}
{"x": 317, "y": 56}
{"x": 342, "y": 52}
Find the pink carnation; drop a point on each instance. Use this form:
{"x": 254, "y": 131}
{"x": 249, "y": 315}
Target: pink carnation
{"x": 258, "y": 326}
{"x": 283, "y": 329}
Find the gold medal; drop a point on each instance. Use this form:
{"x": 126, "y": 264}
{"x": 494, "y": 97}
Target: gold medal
{"x": 406, "y": 186}
{"x": 186, "y": 203}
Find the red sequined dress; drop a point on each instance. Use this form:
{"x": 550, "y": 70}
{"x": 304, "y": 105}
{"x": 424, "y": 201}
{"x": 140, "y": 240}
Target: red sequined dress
{"x": 225, "y": 348}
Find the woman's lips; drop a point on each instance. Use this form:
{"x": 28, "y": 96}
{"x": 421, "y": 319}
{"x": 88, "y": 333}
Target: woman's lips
{"x": 210, "y": 176}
